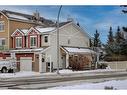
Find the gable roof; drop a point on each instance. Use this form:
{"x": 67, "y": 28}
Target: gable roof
{"x": 33, "y": 28}
{"x": 26, "y": 18}
{"x": 63, "y": 24}
{"x": 17, "y": 30}
{"x": 79, "y": 50}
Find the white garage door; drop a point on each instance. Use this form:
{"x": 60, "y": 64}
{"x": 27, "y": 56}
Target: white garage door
{"x": 26, "y": 64}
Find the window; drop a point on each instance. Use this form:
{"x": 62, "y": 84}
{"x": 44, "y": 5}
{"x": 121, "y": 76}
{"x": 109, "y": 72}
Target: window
{"x": 2, "y": 41}
{"x": 1, "y": 25}
{"x": 46, "y": 39}
{"x": 33, "y": 41}
{"x": 18, "y": 42}
{"x": 68, "y": 41}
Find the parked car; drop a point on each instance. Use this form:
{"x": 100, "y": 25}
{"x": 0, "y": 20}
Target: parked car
{"x": 7, "y": 66}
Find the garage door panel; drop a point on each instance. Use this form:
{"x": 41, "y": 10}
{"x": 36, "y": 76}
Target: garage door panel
{"x": 26, "y": 64}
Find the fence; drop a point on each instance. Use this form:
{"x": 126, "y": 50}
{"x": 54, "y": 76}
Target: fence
{"x": 117, "y": 64}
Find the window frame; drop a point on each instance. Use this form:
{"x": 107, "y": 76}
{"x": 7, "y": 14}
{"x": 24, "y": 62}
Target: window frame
{"x": 1, "y": 39}
{"x": 18, "y": 45}
{"x": 46, "y": 40}
{"x": 33, "y": 46}
{"x": 2, "y": 26}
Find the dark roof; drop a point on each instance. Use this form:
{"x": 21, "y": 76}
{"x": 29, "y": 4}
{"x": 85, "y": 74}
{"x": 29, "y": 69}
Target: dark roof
{"x": 27, "y": 17}
{"x": 61, "y": 24}
{"x": 64, "y": 23}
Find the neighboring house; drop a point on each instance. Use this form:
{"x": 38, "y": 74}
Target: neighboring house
{"x": 10, "y": 21}
{"x": 41, "y": 42}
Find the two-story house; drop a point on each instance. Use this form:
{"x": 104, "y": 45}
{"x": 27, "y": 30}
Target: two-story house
{"x": 10, "y": 21}
{"x": 36, "y": 48}
{"x": 32, "y": 40}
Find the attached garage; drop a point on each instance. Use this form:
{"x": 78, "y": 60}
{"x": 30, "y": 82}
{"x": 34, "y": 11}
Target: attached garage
{"x": 26, "y": 64}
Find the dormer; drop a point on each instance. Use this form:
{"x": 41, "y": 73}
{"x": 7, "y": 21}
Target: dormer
{"x": 34, "y": 37}
{"x": 18, "y": 39}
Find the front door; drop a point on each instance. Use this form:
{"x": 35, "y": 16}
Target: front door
{"x": 64, "y": 61}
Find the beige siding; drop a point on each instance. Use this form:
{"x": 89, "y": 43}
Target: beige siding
{"x": 17, "y": 25}
{"x": 77, "y": 39}
{"x": 4, "y": 34}
{"x": 11, "y": 26}
{"x": 43, "y": 40}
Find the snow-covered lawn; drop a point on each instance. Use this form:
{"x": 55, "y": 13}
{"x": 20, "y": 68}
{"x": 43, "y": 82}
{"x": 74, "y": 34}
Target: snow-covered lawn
{"x": 115, "y": 84}
{"x": 62, "y": 72}
{"x": 65, "y": 71}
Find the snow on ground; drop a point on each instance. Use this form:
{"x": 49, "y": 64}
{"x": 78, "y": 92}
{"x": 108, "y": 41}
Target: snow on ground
{"x": 116, "y": 84}
{"x": 18, "y": 74}
{"x": 66, "y": 71}
{"x": 62, "y": 72}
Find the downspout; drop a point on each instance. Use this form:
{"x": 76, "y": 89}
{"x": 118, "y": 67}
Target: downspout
{"x": 8, "y": 34}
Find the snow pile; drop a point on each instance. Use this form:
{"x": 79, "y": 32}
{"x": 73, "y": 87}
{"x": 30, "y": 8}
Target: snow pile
{"x": 115, "y": 84}
{"x": 18, "y": 74}
{"x": 66, "y": 71}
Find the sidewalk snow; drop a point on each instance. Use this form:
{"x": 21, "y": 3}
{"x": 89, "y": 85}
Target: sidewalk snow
{"x": 114, "y": 84}
{"x": 62, "y": 72}
{"x": 87, "y": 71}
{"x": 18, "y": 74}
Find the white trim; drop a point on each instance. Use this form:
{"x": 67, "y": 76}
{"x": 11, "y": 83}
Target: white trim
{"x": 67, "y": 57}
{"x": 4, "y": 15}
{"x": 35, "y": 41}
{"x": 45, "y": 50}
{"x": 16, "y": 43}
{"x": 66, "y": 25}
{"x": 4, "y": 26}
{"x": 13, "y": 34}
{"x": 1, "y": 41}
{"x": 32, "y": 28}
{"x": 82, "y": 30}
{"x": 2, "y": 38}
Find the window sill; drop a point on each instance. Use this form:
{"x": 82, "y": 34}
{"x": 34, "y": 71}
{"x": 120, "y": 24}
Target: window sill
{"x": 2, "y": 31}
{"x": 33, "y": 46}
{"x": 18, "y": 47}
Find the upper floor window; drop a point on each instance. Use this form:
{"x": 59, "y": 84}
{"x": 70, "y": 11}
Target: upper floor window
{"x": 1, "y": 25}
{"x": 18, "y": 42}
{"x": 2, "y": 41}
{"x": 69, "y": 41}
{"x": 46, "y": 39}
{"x": 33, "y": 41}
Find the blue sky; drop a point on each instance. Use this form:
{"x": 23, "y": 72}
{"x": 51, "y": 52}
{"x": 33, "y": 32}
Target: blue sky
{"x": 90, "y": 17}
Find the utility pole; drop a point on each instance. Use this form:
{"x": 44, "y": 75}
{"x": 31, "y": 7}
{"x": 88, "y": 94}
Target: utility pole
{"x": 58, "y": 47}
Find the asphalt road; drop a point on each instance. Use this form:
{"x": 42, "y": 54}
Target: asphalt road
{"x": 43, "y": 83}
